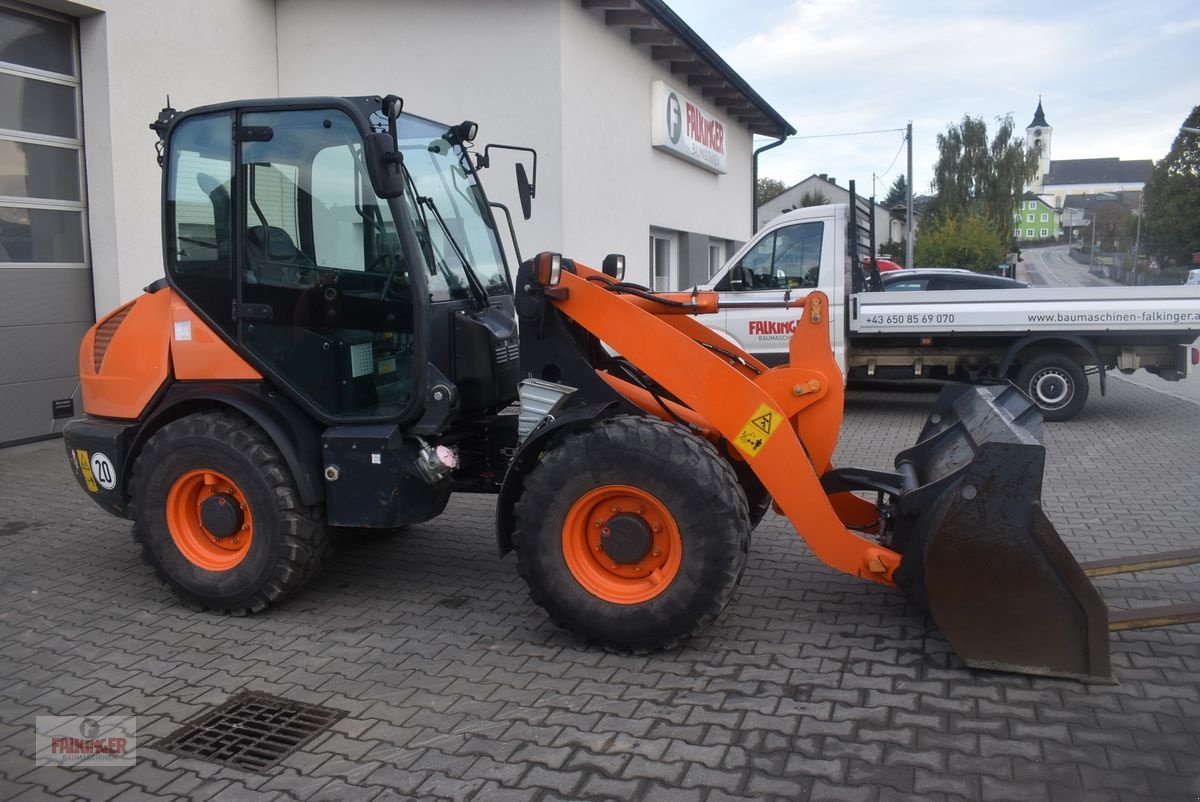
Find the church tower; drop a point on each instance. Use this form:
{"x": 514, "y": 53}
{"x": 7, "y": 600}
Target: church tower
{"x": 1037, "y": 136}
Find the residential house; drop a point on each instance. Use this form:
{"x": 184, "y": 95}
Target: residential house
{"x": 1035, "y": 219}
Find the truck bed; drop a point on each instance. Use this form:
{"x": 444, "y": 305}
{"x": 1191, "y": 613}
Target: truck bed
{"x": 1143, "y": 310}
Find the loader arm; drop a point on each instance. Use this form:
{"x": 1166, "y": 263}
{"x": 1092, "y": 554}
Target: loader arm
{"x": 784, "y": 422}
{"x": 958, "y": 526}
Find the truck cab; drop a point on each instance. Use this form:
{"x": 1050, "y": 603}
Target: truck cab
{"x": 795, "y": 253}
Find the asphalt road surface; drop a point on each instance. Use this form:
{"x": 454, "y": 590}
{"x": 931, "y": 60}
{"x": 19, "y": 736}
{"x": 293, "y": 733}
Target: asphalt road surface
{"x": 1053, "y": 267}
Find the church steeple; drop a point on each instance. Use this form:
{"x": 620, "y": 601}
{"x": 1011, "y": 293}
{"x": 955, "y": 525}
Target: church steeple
{"x": 1039, "y": 117}
{"x": 1037, "y": 138}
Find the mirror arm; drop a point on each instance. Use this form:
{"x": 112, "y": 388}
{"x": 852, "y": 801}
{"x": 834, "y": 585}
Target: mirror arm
{"x": 484, "y": 160}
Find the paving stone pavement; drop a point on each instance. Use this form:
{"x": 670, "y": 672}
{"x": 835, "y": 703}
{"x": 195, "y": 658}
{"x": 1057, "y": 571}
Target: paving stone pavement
{"x": 814, "y": 686}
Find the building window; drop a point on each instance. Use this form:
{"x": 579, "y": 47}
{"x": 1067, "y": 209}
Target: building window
{"x": 1017, "y": 233}
{"x": 1029, "y": 233}
{"x": 660, "y": 263}
{"x": 1045, "y": 233}
{"x": 42, "y": 202}
{"x": 1045, "y": 217}
{"x": 716, "y": 258}
{"x": 1029, "y": 218}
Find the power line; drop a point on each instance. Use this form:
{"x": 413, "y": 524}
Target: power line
{"x": 897, "y": 156}
{"x": 849, "y": 133}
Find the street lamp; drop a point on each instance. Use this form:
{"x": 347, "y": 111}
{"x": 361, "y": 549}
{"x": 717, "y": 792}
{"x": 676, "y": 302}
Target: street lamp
{"x": 1188, "y": 130}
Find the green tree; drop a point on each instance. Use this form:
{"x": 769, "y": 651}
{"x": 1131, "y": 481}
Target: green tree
{"x": 814, "y": 197}
{"x": 898, "y": 192}
{"x": 769, "y": 188}
{"x": 1171, "y": 207}
{"x": 959, "y": 240}
{"x": 895, "y": 251}
{"x": 976, "y": 177}
{"x": 1112, "y": 228}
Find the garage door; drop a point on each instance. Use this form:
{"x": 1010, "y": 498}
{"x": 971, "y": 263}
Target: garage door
{"x": 45, "y": 281}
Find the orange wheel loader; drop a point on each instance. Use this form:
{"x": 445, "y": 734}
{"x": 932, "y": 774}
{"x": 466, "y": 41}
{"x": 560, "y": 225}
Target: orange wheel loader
{"x": 337, "y": 341}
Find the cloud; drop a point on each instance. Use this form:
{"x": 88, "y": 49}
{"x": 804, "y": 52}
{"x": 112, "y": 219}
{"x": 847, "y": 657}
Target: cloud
{"x": 1111, "y": 86}
{"x": 1173, "y": 28}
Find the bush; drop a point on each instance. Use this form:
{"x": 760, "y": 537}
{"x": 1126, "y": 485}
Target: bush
{"x": 962, "y": 240}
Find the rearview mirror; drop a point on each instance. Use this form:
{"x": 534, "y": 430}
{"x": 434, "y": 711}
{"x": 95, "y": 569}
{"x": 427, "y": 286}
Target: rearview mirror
{"x": 384, "y": 165}
{"x": 525, "y": 191}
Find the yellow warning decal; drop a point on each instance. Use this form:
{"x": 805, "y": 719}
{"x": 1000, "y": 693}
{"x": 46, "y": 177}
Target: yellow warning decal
{"x": 85, "y": 468}
{"x": 758, "y": 430}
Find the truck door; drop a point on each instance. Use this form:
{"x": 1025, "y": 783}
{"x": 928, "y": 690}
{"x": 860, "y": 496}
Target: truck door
{"x": 783, "y": 262}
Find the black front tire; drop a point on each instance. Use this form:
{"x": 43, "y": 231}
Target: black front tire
{"x": 685, "y": 476}
{"x": 289, "y": 542}
{"x": 1057, "y": 384}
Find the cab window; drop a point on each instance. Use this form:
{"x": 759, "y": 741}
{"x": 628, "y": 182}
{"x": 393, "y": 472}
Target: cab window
{"x": 787, "y": 259}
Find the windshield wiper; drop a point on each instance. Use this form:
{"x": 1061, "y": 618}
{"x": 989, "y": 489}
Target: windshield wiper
{"x": 472, "y": 279}
{"x": 423, "y": 201}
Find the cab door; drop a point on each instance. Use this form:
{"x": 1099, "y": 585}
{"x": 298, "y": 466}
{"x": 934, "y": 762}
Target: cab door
{"x": 324, "y": 297}
{"x": 783, "y": 264}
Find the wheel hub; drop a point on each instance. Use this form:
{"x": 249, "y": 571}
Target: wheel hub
{"x": 221, "y": 515}
{"x": 626, "y": 538}
{"x": 1051, "y": 387}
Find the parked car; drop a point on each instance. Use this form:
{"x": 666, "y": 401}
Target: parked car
{"x": 946, "y": 278}
{"x": 885, "y": 265}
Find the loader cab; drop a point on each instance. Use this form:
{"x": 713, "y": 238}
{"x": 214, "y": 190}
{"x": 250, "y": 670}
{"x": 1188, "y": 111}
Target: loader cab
{"x": 355, "y": 305}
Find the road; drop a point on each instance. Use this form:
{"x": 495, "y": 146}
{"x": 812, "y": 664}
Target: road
{"x": 1053, "y": 267}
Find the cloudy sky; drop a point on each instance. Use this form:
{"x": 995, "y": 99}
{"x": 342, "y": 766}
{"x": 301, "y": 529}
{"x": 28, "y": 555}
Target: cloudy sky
{"x": 1116, "y": 78}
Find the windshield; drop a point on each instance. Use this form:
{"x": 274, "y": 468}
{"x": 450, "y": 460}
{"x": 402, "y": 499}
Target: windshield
{"x": 440, "y": 174}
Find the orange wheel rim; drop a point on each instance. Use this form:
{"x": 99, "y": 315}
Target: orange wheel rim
{"x": 622, "y": 544}
{"x": 212, "y": 551}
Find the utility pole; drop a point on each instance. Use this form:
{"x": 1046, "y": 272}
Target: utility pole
{"x": 908, "y": 213}
{"x": 1137, "y": 238}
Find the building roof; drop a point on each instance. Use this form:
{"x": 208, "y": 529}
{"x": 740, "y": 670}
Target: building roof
{"x": 1099, "y": 171}
{"x": 1096, "y": 200}
{"x": 656, "y": 29}
{"x": 1039, "y": 117}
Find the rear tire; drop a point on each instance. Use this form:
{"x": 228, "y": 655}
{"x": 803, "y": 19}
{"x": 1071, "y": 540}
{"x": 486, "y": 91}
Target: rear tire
{"x": 266, "y": 544}
{"x": 1057, "y": 384}
{"x": 632, "y": 533}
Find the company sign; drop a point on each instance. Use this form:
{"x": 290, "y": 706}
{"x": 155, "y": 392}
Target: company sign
{"x": 684, "y": 129}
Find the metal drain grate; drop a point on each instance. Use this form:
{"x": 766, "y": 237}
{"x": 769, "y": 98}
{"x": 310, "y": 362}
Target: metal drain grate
{"x": 251, "y": 731}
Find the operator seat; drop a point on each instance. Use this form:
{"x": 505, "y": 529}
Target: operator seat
{"x": 272, "y": 258}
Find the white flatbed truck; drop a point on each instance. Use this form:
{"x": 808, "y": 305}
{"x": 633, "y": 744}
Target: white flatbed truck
{"x": 1044, "y": 340}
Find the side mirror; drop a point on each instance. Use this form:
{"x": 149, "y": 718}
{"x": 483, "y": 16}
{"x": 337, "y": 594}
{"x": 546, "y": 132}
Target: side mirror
{"x": 384, "y": 165}
{"x": 525, "y": 191}
{"x": 614, "y": 265}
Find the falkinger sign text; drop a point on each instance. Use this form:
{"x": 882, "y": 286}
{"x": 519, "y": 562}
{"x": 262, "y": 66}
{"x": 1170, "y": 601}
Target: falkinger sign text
{"x": 684, "y": 129}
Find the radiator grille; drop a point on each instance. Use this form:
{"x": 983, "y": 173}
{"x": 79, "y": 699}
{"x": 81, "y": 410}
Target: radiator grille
{"x": 508, "y": 350}
{"x": 104, "y": 334}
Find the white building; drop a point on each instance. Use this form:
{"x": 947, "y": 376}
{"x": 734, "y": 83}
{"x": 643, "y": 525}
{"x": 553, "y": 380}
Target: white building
{"x": 599, "y": 87}
{"x": 886, "y": 229}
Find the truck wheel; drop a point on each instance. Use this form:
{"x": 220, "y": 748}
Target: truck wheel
{"x": 632, "y": 533}
{"x": 1057, "y": 384}
{"x": 218, "y": 516}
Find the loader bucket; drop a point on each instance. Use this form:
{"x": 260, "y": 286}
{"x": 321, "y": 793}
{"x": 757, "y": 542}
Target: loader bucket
{"x": 979, "y": 552}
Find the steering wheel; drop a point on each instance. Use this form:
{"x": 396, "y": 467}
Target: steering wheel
{"x": 377, "y": 262}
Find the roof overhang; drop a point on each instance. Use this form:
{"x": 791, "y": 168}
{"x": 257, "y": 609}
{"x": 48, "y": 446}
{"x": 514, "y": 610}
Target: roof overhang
{"x": 659, "y": 32}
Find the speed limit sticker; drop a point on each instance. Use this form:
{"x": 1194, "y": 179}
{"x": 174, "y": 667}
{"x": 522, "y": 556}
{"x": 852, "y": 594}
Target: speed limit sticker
{"x": 103, "y": 471}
